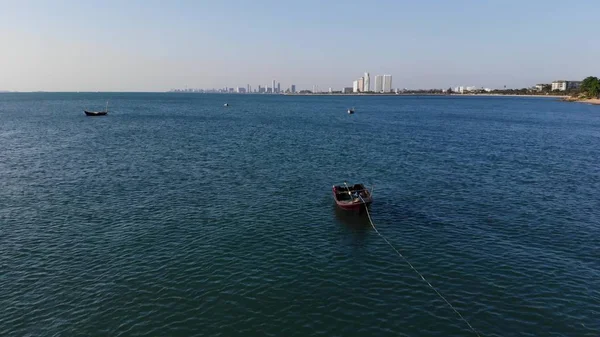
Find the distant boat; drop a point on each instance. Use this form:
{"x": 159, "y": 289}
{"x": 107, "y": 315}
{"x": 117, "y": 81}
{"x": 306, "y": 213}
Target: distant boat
{"x": 97, "y": 113}
{"x": 226, "y": 104}
{"x": 353, "y": 197}
{"x": 351, "y": 111}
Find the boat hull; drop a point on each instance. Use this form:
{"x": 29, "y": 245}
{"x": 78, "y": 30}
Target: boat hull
{"x": 344, "y": 199}
{"x": 354, "y": 207}
{"x": 95, "y": 113}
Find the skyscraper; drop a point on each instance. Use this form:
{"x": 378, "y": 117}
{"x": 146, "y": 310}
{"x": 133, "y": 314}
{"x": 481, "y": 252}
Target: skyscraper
{"x": 378, "y": 83}
{"x": 367, "y": 83}
{"x": 361, "y": 84}
{"x": 355, "y": 86}
{"x": 293, "y": 88}
{"x": 273, "y": 86}
{"x": 248, "y": 88}
{"x": 278, "y": 87}
{"x": 387, "y": 83}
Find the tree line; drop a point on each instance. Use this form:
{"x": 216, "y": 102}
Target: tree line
{"x": 590, "y": 87}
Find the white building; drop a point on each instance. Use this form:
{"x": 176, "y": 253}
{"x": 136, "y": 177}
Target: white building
{"x": 387, "y": 83}
{"x": 559, "y": 85}
{"x": 355, "y": 86}
{"x": 361, "y": 84}
{"x": 367, "y": 83}
{"x": 565, "y": 85}
{"x": 378, "y": 83}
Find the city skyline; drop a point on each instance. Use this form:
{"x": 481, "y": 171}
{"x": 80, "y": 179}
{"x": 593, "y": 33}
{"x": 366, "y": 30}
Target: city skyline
{"x": 483, "y": 44}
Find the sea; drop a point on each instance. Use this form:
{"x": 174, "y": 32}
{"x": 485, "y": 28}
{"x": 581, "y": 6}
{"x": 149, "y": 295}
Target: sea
{"x": 177, "y": 216}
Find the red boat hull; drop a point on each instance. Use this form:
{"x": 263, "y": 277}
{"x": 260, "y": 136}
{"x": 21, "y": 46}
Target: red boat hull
{"x": 347, "y": 197}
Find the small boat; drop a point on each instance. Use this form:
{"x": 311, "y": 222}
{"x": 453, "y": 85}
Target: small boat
{"x": 226, "y": 104}
{"x": 351, "y": 111}
{"x": 97, "y": 113}
{"x": 353, "y": 197}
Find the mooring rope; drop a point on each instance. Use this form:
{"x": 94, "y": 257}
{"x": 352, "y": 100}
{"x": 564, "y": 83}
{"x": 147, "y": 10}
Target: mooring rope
{"x": 416, "y": 271}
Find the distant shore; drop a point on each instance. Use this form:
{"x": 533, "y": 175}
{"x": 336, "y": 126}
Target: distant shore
{"x": 405, "y": 94}
{"x": 594, "y": 101}
{"x": 426, "y": 94}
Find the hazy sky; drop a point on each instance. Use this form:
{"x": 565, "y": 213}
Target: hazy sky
{"x": 134, "y": 45}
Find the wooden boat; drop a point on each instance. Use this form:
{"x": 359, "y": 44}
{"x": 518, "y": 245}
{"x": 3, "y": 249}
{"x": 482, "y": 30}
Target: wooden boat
{"x": 97, "y": 113}
{"x": 352, "y": 197}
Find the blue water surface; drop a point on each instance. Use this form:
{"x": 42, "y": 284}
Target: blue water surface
{"x": 177, "y": 216}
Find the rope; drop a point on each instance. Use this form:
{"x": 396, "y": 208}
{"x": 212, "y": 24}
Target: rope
{"x": 416, "y": 271}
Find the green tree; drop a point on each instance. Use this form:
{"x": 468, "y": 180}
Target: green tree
{"x": 591, "y": 86}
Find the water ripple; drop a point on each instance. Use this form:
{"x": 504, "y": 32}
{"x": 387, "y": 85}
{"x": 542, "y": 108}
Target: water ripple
{"x": 176, "y": 218}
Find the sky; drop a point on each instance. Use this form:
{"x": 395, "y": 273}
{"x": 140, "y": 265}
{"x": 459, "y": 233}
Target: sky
{"x": 154, "y": 45}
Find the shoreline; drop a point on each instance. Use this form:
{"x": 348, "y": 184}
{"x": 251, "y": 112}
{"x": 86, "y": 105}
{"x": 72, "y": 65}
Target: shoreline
{"x": 563, "y": 97}
{"x": 591, "y": 101}
{"x": 426, "y": 94}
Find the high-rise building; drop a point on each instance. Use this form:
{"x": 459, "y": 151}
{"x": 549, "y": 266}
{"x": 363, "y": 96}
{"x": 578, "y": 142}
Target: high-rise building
{"x": 387, "y": 83}
{"x": 355, "y": 86}
{"x": 273, "y": 86}
{"x": 278, "y": 87}
{"x": 248, "y": 88}
{"x": 330, "y": 90}
{"x": 293, "y": 88}
{"x": 361, "y": 84}
{"x": 367, "y": 83}
{"x": 378, "y": 83}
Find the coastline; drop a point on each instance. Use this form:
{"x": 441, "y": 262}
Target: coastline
{"x": 561, "y": 97}
{"x": 427, "y": 94}
{"x": 591, "y": 101}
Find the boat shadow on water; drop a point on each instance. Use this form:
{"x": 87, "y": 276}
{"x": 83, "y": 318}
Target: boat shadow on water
{"x": 353, "y": 219}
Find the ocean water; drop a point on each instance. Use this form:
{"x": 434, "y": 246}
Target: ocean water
{"x": 176, "y": 216}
